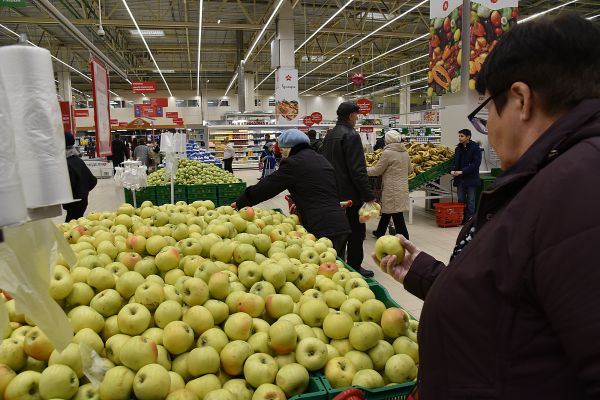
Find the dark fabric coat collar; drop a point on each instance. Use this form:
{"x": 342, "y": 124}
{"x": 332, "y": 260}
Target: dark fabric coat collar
{"x": 345, "y": 123}
{"x": 299, "y": 147}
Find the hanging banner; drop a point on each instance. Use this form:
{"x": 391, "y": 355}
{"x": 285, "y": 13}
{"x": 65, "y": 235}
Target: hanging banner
{"x": 143, "y": 87}
{"x": 67, "y": 116}
{"x": 100, "y": 87}
{"x": 172, "y": 114}
{"x": 316, "y": 117}
{"x": 147, "y": 110}
{"x": 308, "y": 121}
{"x": 445, "y": 47}
{"x": 160, "y": 102}
{"x": 82, "y": 113}
{"x": 489, "y": 20}
{"x": 286, "y": 95}
{"x": 366, "y": 106}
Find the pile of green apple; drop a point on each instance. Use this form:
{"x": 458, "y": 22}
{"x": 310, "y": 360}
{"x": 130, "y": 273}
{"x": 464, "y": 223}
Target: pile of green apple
{"x": 191, "y": 302}
{"x": 192, "y": 172}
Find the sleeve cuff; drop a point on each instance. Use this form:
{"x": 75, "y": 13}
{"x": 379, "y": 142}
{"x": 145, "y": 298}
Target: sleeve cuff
{"x": 421, "y": 275}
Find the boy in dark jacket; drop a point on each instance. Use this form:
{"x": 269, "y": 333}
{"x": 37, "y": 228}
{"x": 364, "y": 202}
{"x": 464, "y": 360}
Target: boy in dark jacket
{"x": 82, "y": 180}
{"x": 465, "y": 170}
{"x": 310, "y": 179}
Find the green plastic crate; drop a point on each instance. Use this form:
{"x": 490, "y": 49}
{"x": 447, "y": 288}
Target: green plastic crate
{"x": 395, "y": 392}
{"x": 314, "y": 391}
{"x": 431, "y": 174}
{"x": 163, "y": 194}
{"x": 231, "y": 189}
{"x": 144, "y": 194}
{"x": 225, "y": 201}
{"x": 201, "y": 192}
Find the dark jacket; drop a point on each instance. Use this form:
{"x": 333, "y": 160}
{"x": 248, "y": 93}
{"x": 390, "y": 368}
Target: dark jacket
{"x": 310, "y": 179}
{"x": 467, "y": 159}
{"x": 379, "y": 143}
{"x": 515, "y": 313}
{"x": 82, "y": 179}
{"x": 120, "y": 152}
{"x": 316, "y": 144}
{"x": 343, "y": 149}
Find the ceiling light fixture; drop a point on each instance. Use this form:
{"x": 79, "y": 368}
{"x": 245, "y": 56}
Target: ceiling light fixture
{"x": 365, "y": 38}
{"x": 146, "y": 44}
{"x": 257, "y": 39}
{"x": 266, "y": 77}
{"x": 419, "y": 88}
{"x": 546, "y": 11}
{"x": 231, "y": 84}
{"x": 147, "y": 32}
{"x": 324, "y": 25}
{"x": 164, "y": 71}
{"x": 426, "y": 35}
{"x": 389, "y": 80}
{"x": 199, "y": 46}
{"x": 594, "y": 17}
{"x": 218, "y": 21}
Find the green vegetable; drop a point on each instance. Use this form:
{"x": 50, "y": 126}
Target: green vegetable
{"x": 484, "y": 12}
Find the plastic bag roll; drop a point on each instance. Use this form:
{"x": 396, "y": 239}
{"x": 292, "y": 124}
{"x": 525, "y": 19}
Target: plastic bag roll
{"x": 39, "y": 138}
{"x": 13, "y": 210}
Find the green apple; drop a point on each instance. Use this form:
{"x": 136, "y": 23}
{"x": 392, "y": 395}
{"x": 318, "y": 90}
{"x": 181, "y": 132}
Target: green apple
{"x": 274, "y": 274}
{"x": 304, "y": 331}
{"x": 195, "y": 292}
{"x": 389, "y": 245}
{"x": 222, "y": 251}
{"x": 341, "y": 345}
{"x": 58, "y": 382}
{"x": 337, "y": 325}
{"x": 282, "y": 337}
{"x": 213, "y": 337}
{"x": 178, "y": 337}
{"x": 293, "y": 379}
{"x": 364, "y": 336}
{"x": 368, "y": 378}
{"x": 263, "y": 289}
{"x": 167, "y": 259}
{"x": 199, "y": 318}
{"x": 129, "y": 259}
{"x": 108, "y": 302}
{"x": 394, "y": 322}
{"x": 339, "y": 372}
{"x": 372, "y": 310}
{"x": 285, "y": 359}
{"x": 218, "y": 309}
{"x": 277, "y": 305}
{"x": 359, "y": 359}
{"x": 260, "y": 342}
{"x": 259, "y": 325}
{"x": 116, "y": 268}
{"x": 92, "y": 339}
{"x": 203, "y": 385}
{"x": 61, "y": 283}
{"x": 150, "y": 294}
{"x": 234, "y": 355}
{"x": 332, "y": 352}
{"x": 138, "y": 351}
{"x": 177, "y": 382}
{"x": 260, "y": 368}
{"x": 218, "y": 285}
{"x": 313, "y": 312}
{"x": 249, "y": 272}
{"x": 152, "y": 381}
{"x": 202, "y": 361}
{"x": 353, "y": 283}
{"x": 155, "y": 334}
{"x": 334, "y": 298}
{"x": 251, "y": 304}
{"x": 168, "y": 311}
{"x": 310, "y": 256}
{"x": 154, "y": 244}
{"x": 12, "y": 354}
{"x": 413, "y": 329}
{"x": 240, "y": 388}
{"x": 172, "y": 276}
{"x": 291, "y": 290}
{"x": 86, "y": 317}
{"x": 244, "y": 252}
{"x": 128, "y": 283}
{"x": 71, "y": 357}
{"x": 403, "y": 345}
{"x": 400, "y": 368}
{"x": 24, "y": 386}
{"x": 262, "y": 243}
{"x": 100, "y": 279}
{"x": 113, "y": 347}
{"x": 133, "y": 319}
{"x": 146, "y": 266}
{"x": 306, "y": 279}
{"x": 380, "y": 354}
{"x": 268, "y": 391}
{"x": 238, "y": 326}
{"x": 87, "y": 392}
{"x": 311, "y": 353}
{"x": 362, "y": 294}
{"x": 190, "y": 263}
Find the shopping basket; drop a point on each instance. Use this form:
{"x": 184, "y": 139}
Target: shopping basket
{"x": 449, "y": 214}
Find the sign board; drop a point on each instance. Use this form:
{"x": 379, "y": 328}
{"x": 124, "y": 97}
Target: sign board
{"x": 497, "y": 4}
{"x": 366, "y": 129}
{"x": 442, "y": 8}
{"x": 178, "y": 121}
{"x": 13, "y": 3}
{"x": 67, "y": 116}
{"x": 143, "y": 87}
{"x": 303, "y": 129}
{"x": 308, "y": 121}
{"x": 100, "y": 87}
{"x": 114, "y": 122}
{"x": 147, "y": 110}
{"x": 82, "y": 113}
{"x": 286, "y": 94}
{"x": 316, "y": 117}
{"x": 160, "y": 102}
{"x": 172, "y": 114}
{"x": 365, "y": 105}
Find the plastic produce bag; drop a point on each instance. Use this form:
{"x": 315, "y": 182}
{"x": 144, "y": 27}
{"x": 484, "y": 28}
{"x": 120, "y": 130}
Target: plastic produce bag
{"x": 27, "y": 257}
{"x": 368, "y": 211}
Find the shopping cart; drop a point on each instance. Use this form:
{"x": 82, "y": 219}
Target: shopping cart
{"x": 376, "y": 183}
{"x": 293, "y": 210}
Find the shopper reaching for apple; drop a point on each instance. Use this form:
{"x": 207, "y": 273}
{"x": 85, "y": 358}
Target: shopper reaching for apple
{"x": 514, "y": 315}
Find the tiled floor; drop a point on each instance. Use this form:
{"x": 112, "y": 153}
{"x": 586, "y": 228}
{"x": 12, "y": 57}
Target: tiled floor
{"x": 423, "y": 232}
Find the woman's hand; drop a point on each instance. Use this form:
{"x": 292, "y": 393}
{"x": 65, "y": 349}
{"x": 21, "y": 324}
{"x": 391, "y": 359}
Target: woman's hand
{"x": 390, "y": 264}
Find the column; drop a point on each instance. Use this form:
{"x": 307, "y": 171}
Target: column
{"x": 286, "y": 77}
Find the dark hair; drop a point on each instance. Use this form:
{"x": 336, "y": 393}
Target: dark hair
{"x": 553, "y": 55}
{"x": 466, "y": 132}
{"x": 312, "y": 134}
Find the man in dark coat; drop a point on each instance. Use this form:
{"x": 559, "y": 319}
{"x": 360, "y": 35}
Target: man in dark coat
{"x": 515, "y": 313}
{"x": 315, "y": 143}
{"x": 82, "y": 180}
{"x": 120, "y": 152}
{"x": 465, "y": 170}
{"x": 310, "y": 179}
{"x": 343, "y": 148}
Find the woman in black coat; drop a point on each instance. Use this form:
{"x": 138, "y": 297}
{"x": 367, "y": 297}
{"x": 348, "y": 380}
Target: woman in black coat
{"x": 310, "y": 179}
{"x": 82, "y": 180}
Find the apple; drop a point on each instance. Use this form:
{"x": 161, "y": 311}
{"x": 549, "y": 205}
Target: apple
{"x": 365, "y": 335}
{"x": 113, "y": 347}
{"x": 219, "y": 394}
{"x": 403, "y": 345}
{"x": 108, "y": 302}
{"x": 337, "y": 325}
{"x": 339, "y": 372}
{"x": 268, "y": 391}
{"x": 222, "y": 251}
{"x": 260, "y": 325}
{"x": 359, "y": 359}
{"x": 341, "y": 345}
{"x": 240, "y": 388}
{"x": 177, "y": 383}
{"x": 154, "y": 244}
{"x": 71, "y": 357}
{"x": 86, "y": 317}
{"x": 244, "y": 252}
{"x": 182, "y": 394}
{"x": 133, "y": 319}
{"x": 199, "y": 318}
{"x": 58, "y": 382}
{"x": 129, "y": 259}
{"x": 172, "y": 293}
{"x": 278, "y": 305}
{"x": 181, "y": 232}
{"x": 274, "y": 274}
{"x": 155, "y": 334}
{"x": 136, "y": 243}
{"x": 213, "y": 337}
{"x": 247, "y": 213}
{"x": 306, "y": 279}
{"x": 37, "y": 344}
{"x": 178, "y": 337}
{"x": 260, "y": 342}
{"x": 151, "y": 382}
{"x": 303, "y": 331}
{"x": 368, "y": 378}
{"x": 218, "y": 309}
{"x": 87, "y": 392}
{"x": 168, "y": 311}
{"x": 190, "y": 263}
{"x": 262, "y": 243}
{"x": 400, "y": 368}
{"x": 99, "y": 278}
{"x": 282, "y": 337}
{"x": 293, "y": 379}
{"x": 238, "y": 326}
{"x": 250, "y": 303}
{"x": 313, "y": 312}
{"x": 117, "y": 384}
{"x": 413, "y": 329}
{"x": 372, "y": 310}
{"x": 263, "y": 289}
{"x": 6, "y": 375}
{"x": 249, "y": 272}
{"x": 146, "y": 266}
{"x": 234, "y": 355}
{"x": 389, "y": 245}
{"x": 172, "y": 276}
{"x": 293, "y": 251}
{"x": 335, "y": 298}
{"x": 116, "y": 268}
{"x": 311, "y": 353}
{"x": 203, "y": 385}
{"x": 260, "y": 368}
{"x": 328, "y": 268}
{"x": 128, "y": 283}
{"x": 362, "y": 294}
{"x": 218, "y": 285}
{"x": 394, "y": 322}
{"x": 12, "y": 354}
{"x": 167, "y": 259}
{"x": 310, "y": 256}
{"x": 81, "y": 294}
{"x": 380, "y": 354}
{"x": 107, "y": 248}
{"x": 155, "y": 279}
{"x": 194, "y": 291}
{"x": 332, "y": 352}
{"x": 294, "y": 319}
{"x": 354, "y": 283}
{"x": 325, "y": 284}
{"x": 61, "y": 283}
{"x": 138, "y": 351}
{"x": 24, "y": 386}
{"x": 202, "y": 361}
{"x": 89, "y": 259}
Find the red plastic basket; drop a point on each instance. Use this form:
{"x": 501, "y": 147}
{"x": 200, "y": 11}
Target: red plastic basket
{"x": 449, "y": 214}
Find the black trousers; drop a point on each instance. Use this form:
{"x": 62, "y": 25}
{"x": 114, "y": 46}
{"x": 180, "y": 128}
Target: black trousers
{"x": 75, "y": 210}
{"x": 399, "y": 224}
{"x": 228, "y": 164}
{"x": 339, "y": 243}
{"x": 353, "y": 249}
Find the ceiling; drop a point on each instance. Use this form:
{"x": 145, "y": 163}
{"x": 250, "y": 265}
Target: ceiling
{"x": 229, "y": 29}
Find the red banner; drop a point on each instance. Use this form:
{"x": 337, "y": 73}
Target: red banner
{"x": 160, "y": 102}
{"x": 308, "y": 121}
{"x": 100, "y": 85}
{"x": 144, "y": 87}
{"x": 365, "y": 105}
{"x": 178, "y": 121}
{"x": 172, "y": 114}
{"x": 367, "y": 129}
{"x": 114, "y": 122}
{"x": 82, "y": 113}
{"x": 67, "y": 117}
{"x": 316, "y": 117}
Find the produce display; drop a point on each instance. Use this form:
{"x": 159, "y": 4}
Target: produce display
{"x": 187, "y": 301}
{"x": 423, "y": 156}
{"x": 194, "y": 152}
{"x": 191, "y": 172}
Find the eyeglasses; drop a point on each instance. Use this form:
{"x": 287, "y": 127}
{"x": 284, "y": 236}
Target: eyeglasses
{"x": 479, "y": 123}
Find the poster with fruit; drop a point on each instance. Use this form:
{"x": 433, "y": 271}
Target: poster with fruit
{"x": 489, "y": 20}
{"x": 286, "y": 94}
{"x": 445, "y": 47}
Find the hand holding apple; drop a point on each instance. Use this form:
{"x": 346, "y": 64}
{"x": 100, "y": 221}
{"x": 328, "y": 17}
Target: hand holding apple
{"x": 392, "y": 265}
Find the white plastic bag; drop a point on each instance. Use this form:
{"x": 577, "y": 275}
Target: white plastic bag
{"x": 368, "y": 211}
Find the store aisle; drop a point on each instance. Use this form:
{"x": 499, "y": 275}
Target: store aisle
{"x": 436, "y": 241}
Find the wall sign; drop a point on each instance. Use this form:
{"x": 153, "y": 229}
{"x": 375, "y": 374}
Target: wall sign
{"x": 286, "y": 94}
{"x": 143, "y": 87}
{"x": 308, "y": 121}
{"x": 172, "y": 114}
{"x": 365, "y": 105}
{"x": 82, "y": 113}
{"x": 67, "y": 116}
{"x": 100, "y": 87}
{"x": 316, "y": 117}
{"x": 160, "y": 102}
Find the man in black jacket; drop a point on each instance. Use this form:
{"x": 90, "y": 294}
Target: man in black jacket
{"x": 120, "y": 152}
{"x": 82, "y": 180}
{"x": 465, "y": 170}
{"x": 343, "y": 148}
{"x": 310, "y": 179}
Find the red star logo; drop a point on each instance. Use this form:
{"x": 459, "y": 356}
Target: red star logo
{"x": 288, "y": 77}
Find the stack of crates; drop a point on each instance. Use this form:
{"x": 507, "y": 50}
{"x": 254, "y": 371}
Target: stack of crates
{"x": 229, "y": 192}
{"x": 202, "y": 192}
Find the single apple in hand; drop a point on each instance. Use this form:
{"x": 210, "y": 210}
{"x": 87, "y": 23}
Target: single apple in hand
{"x": 389, "y": 246}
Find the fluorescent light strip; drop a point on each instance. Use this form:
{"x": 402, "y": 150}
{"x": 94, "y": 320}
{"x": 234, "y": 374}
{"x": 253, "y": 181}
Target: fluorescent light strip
{"x": 376, "y": 73}
{"x": 389, "y": 80}
{"x": 324, "y": 25}
{"x": 231, "y": 84}
{"x": 364, "y": 38}
{"x": 146, "y": 44}
{"x": 369, "y": 61}
{"x": 401, "y": 86}
{"x": 419, "y": 88}
{"x": 257, "y": 39}
{"x": 547, "y": 11}
{"x": 594, "y": 17}
{"x": 267, "y": 77}
{"x": 199, "y": 46}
